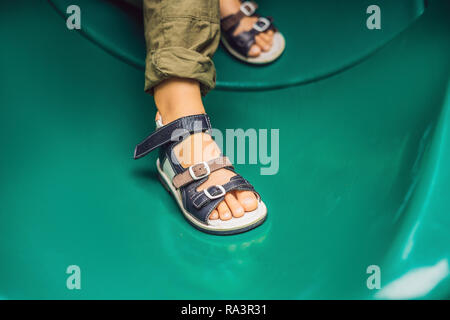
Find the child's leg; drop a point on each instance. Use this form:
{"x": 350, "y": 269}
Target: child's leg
{"x": 182, "y": 36}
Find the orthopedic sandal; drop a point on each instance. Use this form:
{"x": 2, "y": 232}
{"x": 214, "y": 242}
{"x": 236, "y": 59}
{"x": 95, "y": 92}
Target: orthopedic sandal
{"x": 182, "y": 182}
{"x": 239, "y": 45}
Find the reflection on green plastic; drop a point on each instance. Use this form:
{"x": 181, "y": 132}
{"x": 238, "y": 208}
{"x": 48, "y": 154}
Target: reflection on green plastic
{"x": 363, "y": 180}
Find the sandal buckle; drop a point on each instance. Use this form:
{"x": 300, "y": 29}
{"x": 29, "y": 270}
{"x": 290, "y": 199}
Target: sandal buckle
{"x": 265, "y": 24}
{"x": 248, "y": 8}
{"x": 201, "y": 176}
{"x": 212, "y": 197}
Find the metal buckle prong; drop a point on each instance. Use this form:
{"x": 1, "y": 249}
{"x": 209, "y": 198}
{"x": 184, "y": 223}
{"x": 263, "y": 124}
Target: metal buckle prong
{"x": 217, "y": 195}
{"x": 263, "y": 28}
{"x": 248, "y": 8}
{"x": 191, "y": 171}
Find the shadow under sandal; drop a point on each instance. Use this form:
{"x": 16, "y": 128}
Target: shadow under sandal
{"x": 239, "y": 45}
{"x": 182, "y": 182}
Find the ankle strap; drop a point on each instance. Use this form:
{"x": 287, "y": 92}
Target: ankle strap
{"x": 186, "y": 126}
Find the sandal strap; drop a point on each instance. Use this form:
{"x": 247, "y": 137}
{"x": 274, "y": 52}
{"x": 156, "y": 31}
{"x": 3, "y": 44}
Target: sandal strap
{"x": 212, "y": 193}
{"x": 199, "y": 171}
{"x": 174, "y": 131}
{"x": 247, "y": 9}
{"x": 243, "y": 41}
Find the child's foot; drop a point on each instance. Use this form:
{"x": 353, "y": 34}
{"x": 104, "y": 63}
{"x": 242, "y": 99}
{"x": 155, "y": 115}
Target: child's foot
{"x": 263, "y": 40}
{"x": 201, "y": 147}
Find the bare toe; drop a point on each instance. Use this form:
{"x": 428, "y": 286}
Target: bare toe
{"x": 224, "y": 211}
{"x": 236, "y": 209}
{"x": 214, "y": 215}
{"x": 247, "y": 199}
{"x": 254, "y": 51}
{"x": 262, "y": 43}
{"x": 268, "y": 39}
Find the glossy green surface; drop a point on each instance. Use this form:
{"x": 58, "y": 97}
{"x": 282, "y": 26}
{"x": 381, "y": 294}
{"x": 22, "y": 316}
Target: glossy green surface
{"x": 363, "y": 179}
{"x": 329, "y": 37}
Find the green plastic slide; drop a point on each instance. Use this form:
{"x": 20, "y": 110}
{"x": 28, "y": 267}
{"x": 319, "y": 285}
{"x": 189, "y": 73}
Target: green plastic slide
{"x": 361, "y": 187}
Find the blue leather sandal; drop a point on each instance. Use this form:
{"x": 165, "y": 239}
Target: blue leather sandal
{"x": 182, "y": 182}
{"x": 239, "y": 45}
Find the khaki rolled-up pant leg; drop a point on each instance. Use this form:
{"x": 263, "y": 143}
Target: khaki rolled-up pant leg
{"x": 181, "y": 38}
